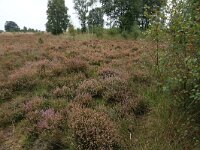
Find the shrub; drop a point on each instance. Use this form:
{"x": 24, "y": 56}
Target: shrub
{"x": 61, "y": 65}
{"x": 98, "y": 31}
{"x": 64, "y": 92}
{"x": 115, "y": 90}
{"x": 45, "y": 128}
{"x": 72, "y": 31}
{"x": 44, "y": 120}
{"x": 11, "y": 112}
{"x": 93, "y": 130}
{"x": 40, "y": 41}
{"x": 140, "y": 77}
{"x": 10, "y": 116}
{"x": 134, "y": 33}
{"x": 125, "y": 34}
{"x": 92, "y": 86}
{"x": 76, "y": 65}
{"x": 44, "y": 68}
{"x": 5, "y": 92}
{"x": 84, "y": 100}
{"x": 126, "y": 108}
{"x": 57, "y": 56}
{"x": 113, "y": 31}
{"x": 108, "y": 72}
{"x": 72, "y": 54}
{"x": 32, "y": 105}
{"x": 23, "y": 79}
{"x": 141, "y": 108}
{"x": 57, "y": 68}
{"x": 78, "y": 31}
{"x": 49, "y": 119}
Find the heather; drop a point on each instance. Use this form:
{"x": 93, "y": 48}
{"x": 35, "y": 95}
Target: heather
{"x": 62, "y": 94}
{"x": 102, "y": 94}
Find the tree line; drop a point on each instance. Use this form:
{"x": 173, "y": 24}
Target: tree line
{"x": 11, "y": 26}
{"x": 121, "y": 14}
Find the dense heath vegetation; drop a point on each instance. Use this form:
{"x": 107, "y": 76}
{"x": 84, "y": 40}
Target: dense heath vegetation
{"x": 135, "y": 85}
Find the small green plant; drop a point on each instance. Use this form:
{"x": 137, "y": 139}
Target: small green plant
{"x": 135, "y": 31}
{"x": 99, "y": 31}
{"x": 72, "y": 31}
{"x": 40, "y": 41}
{"x": 125, "y": 34}
{"x": 78, "y": 31}
{"x": 113, "y": 31}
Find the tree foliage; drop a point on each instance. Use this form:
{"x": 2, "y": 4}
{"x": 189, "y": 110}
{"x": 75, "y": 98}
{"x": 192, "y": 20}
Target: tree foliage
{"x": 95, "y": 18}
{"x": 58, "y": 18}
{"x": 72, "y": 31}
{"x": 82, "y": 9}
{"x": 185, "y": 31}
{"x": 11, "y": 26}
{"x": 178, "y": 71}
{"x": 124, "y": 13}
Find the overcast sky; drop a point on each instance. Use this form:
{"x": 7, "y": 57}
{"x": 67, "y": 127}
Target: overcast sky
{"x": 30, "y": 13}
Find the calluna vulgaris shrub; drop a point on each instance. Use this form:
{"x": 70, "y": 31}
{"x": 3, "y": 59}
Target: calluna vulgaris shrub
{"x": 58, "y": 65}
{"x": 115, "y": 89}
{"x": 93, "y": 130}
{"x": 57, "y": 56}
{"x": 84, "y": 100}
{"x": 49, "y": 119}
{"x": 68, "y": 66}
{"x": 108, "y": 72}
{"x": 5, "y": 92}
{"x": 43, "y": 120}
{"x": 42, "y": 66}
{"x": 63, "y": 92}
{"x": 126, "y": 108}
{"x": 11, "y": 112}
{"x": 76, "y": 65}
{"x": 58, "y": 68}
{"x": 24, "y": 78}
{"x": 91, "y": 86}
{"x": 32, "y": 105}
{"x": 46, "y": 127}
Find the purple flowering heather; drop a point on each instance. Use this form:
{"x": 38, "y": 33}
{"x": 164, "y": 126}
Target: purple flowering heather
{"x": 49, "y": 119}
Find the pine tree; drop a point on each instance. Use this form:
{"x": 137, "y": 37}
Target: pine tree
{"x": 58, "y": 19}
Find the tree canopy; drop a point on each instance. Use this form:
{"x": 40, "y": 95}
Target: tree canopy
{"x": 82, "y": 8}
{"x": 124, "y": 13}
{"x": 95, "y": 18}
{"x": 11, "y": 26}
{"x": 58, "y": 18}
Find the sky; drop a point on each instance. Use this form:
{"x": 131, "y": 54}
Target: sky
{"x": 30, "y": 13}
